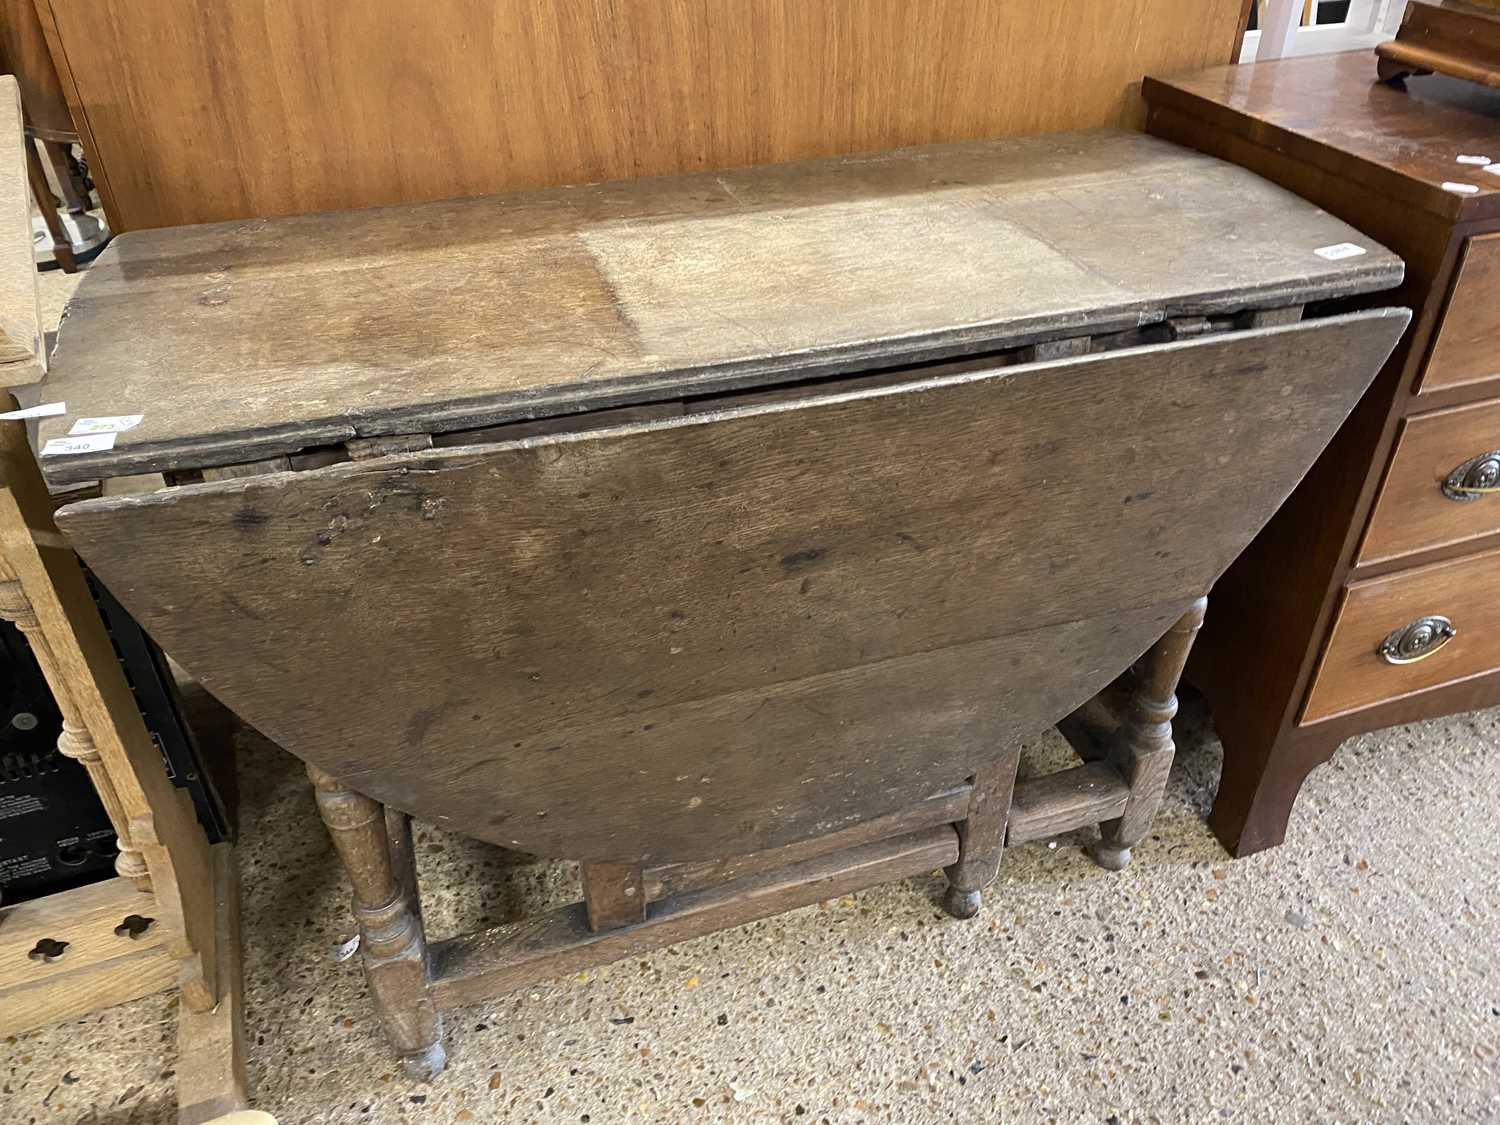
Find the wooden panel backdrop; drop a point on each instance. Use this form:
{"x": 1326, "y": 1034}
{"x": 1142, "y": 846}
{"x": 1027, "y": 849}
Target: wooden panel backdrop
{"x": 201, "y": 112}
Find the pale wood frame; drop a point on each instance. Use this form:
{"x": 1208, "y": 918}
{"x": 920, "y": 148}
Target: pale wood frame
{"x": 167, "y": 869}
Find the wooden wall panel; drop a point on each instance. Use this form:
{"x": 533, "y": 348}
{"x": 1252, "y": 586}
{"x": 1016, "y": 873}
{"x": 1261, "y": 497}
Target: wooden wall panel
{"x": 203, "y": 112}
{"x": 23, "y": 52}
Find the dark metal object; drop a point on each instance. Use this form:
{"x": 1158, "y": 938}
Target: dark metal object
{"x": 54, "y": 833}
{"x": 155, "y": 693}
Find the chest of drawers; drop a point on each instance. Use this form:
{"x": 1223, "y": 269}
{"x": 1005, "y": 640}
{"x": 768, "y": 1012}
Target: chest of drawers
{"x": 1370, "y": 598}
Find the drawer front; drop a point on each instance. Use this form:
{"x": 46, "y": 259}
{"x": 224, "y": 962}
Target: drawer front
{"x": 1438, "y": 490}
{"x": 1467, "y": 347}
{"x": 1389, "y": 612}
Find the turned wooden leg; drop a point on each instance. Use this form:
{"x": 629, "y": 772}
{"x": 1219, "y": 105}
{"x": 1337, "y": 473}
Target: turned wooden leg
{"x": 392, "y": 944}
{"x": 1143, "y": 747}
{"x": 981, "y": 836}
{"x": 65, "y": 175}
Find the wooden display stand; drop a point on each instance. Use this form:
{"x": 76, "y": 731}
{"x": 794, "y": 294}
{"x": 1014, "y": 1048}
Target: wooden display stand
{"x": 171, "y": 916}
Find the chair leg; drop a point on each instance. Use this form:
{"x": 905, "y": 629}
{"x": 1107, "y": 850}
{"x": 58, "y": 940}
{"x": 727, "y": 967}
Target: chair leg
{"x": 392, "y": 943}
{"x": 65, "y": 175}
{"x": 46, "y": 202}
{"x": 1143, "y": 749}
{"x": 981, "y": 836}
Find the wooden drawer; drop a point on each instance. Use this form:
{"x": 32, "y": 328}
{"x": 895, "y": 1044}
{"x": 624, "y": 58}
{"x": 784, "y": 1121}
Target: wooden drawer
{"x": 1354, "y": 674}
{"x": 1467, "y": 346}
{"x": 1430, "y": 496}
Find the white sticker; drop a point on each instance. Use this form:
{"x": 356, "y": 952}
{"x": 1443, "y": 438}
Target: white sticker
{"x": 1473, "y": 159}
{"x": 87, "y": 443}
{"x": 45, "y": 410}
{"x": 1494, "y": 169}
{"x": 110, "y": 424}
{"x": 1340, "y": 250}
{"x": 1459, "y": 189}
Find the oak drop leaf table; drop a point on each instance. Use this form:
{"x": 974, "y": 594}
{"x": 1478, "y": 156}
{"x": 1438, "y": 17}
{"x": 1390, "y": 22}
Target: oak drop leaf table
{"x": 725, "y": 533}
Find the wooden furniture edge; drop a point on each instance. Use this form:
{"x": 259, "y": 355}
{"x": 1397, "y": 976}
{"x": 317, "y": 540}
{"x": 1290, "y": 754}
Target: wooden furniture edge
{"x": 672, "y": 879}
{"x": 102, "y": 722}
{"x": 97, "y": 170}
{"x": 1257, "y": 793}
{"x": 126, "y": 972}
{"x": 211, "y": 1045}
{"x": 1240, "y": 32}
{"x": 473, "y": 967}
{"x": 1452, "y": 208}
{"x": 1066, "y": 800}
{"x": 23, "y": 349}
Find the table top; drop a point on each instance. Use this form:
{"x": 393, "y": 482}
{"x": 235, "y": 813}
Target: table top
{"x": 1330, "y": 111}
{"x": 244, "y": 340}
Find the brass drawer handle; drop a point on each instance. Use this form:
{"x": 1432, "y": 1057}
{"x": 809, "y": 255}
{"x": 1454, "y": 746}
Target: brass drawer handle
{"x": 1416, "y": 641}
{"x": 1475, "y": 478}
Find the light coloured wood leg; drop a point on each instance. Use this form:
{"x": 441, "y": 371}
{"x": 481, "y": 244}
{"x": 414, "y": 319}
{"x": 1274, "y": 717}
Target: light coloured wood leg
{"x": 981, "y": 836}
{"x": 211, "y": 1045}
{"x": 1143, "y": 747}
{"x": 392, "y": 942}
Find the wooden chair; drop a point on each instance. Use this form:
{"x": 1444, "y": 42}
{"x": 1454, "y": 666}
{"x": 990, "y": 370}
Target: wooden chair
{"x": 50, "y": 134}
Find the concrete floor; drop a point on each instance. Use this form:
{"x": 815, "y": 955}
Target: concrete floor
{"x": 1348, "y": 976}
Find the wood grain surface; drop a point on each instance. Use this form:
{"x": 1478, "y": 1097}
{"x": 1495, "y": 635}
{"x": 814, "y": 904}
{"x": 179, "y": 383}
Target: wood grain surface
{"x": 246, "y": 340}
{"x": 1352, "y": 675}
{"x": 1327, "y": 112}
{"x": 211, "y": 1045}
{"x": 1060, "y": 802}
{"x": 97, "y": 969}
{"x": 24, "y": 53}
{"x": 474, "y": 967}
{"x": 674, "y": 879}
{"x": 1411, "y": 512}
{"x": 1376, "y": 157}
{"x": 82, "y": 669}
{"x": 1467, "y": 347}
{"x": 23, "y": 354}
{"x": 248, "y": 108}
{"x": 706, "y": 636}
